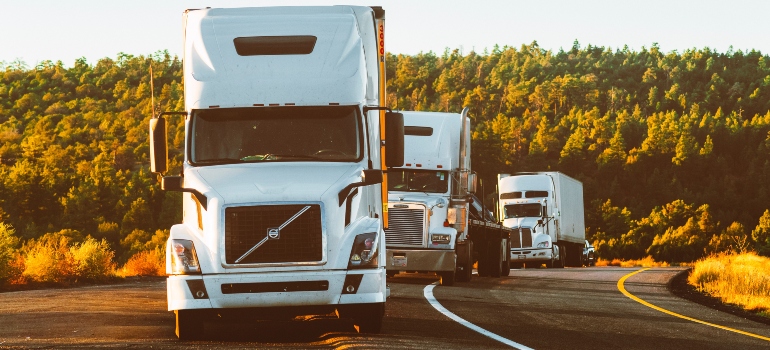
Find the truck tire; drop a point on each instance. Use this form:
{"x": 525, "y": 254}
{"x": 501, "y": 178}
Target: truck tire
{"x": 551, "y": 263}
{"x": 189, "y": 325}
{"x": 447, "y": 278}
{"x": 465, "y": 272}
{"x": 505, "y": 269}
{"x": 495, "y": 260}
{"x": 366, "y": 317}
{"x": 562, "y": 257}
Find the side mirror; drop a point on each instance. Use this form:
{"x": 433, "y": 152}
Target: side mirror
{"x": 158, "y": 146}
{"x": 394, "y": 139}
{"x": 472, "y": 183}
{"x": 171, "y": 183}
{"x": 371, "y": 177}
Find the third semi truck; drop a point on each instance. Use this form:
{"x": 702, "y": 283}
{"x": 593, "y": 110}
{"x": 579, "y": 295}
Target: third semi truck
{"x": 545, "y": 209}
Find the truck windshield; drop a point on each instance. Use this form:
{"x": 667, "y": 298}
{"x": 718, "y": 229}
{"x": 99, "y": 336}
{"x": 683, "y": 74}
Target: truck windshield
{"x": 528, "y": 210}
{"x": 418, "y": 180}
{"x": 239, "y": 135}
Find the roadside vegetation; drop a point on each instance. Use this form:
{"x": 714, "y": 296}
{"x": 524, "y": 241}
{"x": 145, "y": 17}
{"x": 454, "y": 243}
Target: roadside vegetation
{"x": 673, "y": 149}
{"x": 645, "y": 262}
{"x": 740, "y": 279}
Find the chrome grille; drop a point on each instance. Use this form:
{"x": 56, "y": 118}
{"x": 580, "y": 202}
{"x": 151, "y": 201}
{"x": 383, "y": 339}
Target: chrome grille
{"x": 299, "y": 241}
{"x": 405, "y": 227}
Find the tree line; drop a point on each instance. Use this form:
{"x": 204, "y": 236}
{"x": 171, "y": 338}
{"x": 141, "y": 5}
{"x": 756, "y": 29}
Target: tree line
{"x": 672, "y": 148}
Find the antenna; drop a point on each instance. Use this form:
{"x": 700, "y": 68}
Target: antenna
{"x": 152, "y": 90}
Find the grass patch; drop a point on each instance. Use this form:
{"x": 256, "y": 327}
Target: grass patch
{"x": 739, "y": 279}
{"x": 646, "y": 262}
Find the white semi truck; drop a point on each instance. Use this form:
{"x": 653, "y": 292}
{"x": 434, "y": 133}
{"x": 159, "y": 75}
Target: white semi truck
{"x": 430, "y": 229}
{"x": 546, "y": 211}
{"x": 286, "y": 141}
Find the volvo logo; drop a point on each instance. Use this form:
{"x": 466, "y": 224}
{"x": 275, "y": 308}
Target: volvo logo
{"x": 274, "y": 233}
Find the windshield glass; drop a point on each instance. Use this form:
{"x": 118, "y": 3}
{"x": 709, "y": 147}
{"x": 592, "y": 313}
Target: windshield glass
{"x": 418, "y": 180}
{"x": 523, "y": 210}
{"x": 237, "y": 135}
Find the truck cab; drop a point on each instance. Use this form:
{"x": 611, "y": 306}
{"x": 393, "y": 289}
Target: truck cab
{"x": 285, "y": 147}
{"x": 428, "y": 196}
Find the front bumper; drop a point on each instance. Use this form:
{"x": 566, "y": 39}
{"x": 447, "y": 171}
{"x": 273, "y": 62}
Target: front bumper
{"x": 420, "y": 260}
{"x": 533, "y": 254}
{"x": 249, "y": 290}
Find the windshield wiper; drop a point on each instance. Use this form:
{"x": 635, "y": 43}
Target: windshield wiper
{"x": 218, "y": 161}
{"x": 271, "y": 156}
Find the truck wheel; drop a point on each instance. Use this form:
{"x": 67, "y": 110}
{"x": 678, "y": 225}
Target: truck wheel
{"x": 562, "y": 257}
{"x": 505, "y": 269}
{"x": 447, "y": 278}
{"x": 516, "y": 265}
{"x": 465, "y": 273}
{"x": 367, "y": 317}
{"x": 550, "y": 263}
{"x": 496, "y": 261}
{"x": 391, "y": 274}
{"x": 189, "y": 326}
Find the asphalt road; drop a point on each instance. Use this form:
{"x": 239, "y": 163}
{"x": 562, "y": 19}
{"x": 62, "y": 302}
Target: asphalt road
{"x": 573, "y": 308}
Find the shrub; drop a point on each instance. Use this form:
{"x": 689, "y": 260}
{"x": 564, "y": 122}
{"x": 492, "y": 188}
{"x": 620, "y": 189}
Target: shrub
{"x": 145, "y": 263}
{"x": 93, "y": 259}
{"x": 48, "y": 259}
{"x": 9, "y": 255}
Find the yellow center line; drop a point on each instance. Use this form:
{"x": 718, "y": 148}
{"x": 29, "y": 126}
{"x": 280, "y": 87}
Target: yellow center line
{"x": 640, "y": 301}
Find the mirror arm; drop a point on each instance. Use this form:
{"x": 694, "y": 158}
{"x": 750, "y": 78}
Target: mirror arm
{"x": 199, "y": 196}
{"x": 346, "y": 191}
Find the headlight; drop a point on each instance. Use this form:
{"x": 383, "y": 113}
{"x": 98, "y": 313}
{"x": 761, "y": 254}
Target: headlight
{"x": 543, "y": 244}
{"x": 364, "y": 251}
{"x": 184, "y": 260}
{"x": 440, "y": 239}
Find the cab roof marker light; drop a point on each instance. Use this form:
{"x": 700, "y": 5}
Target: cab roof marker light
{"x": 334, "y": 103}
{"x": 439, "y": 166}
{"x": 214, "y": 106}
{"x": 274, "y": 104}
{"x": 418, "y": 165}
{"x": 259, "y": 105}
{"x": 290, "y": 103}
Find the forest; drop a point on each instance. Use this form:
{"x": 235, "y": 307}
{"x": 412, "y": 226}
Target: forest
{"x": 673, "y": 148}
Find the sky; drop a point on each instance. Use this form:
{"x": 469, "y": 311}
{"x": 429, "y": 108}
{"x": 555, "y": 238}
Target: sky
{"x": 39, "y": 30}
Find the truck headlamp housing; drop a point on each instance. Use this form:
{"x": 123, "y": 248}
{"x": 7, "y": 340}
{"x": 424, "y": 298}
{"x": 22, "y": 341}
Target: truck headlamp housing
{"x": 544, "y": 244}
{"x": 184, "y": 260}
{"x": 440, "y": 238}
{"x": 364, "y": 251}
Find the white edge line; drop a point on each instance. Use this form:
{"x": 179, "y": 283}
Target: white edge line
{"x": 428, "y": 293}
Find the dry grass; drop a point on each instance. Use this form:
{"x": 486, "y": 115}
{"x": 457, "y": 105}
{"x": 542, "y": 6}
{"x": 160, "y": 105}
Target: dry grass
{"x": 145, "y": 263}
{"x": 741, "y": 279}
{"x": 646, "y": 262}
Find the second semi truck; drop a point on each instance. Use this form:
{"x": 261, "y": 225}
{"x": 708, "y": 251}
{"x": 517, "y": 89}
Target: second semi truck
{"x": 432, "y": 227}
